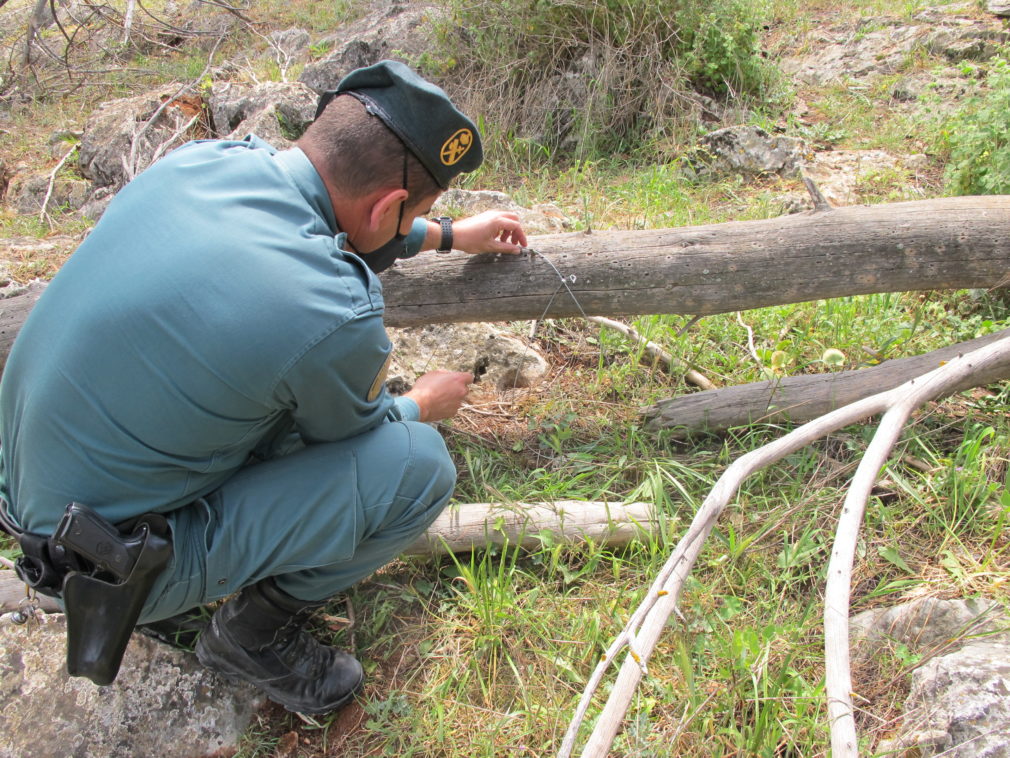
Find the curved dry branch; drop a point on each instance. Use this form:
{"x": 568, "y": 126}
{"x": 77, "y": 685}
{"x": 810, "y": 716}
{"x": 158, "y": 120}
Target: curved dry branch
{"x": 642, "y": 632}
{"x": 908, "y": 397}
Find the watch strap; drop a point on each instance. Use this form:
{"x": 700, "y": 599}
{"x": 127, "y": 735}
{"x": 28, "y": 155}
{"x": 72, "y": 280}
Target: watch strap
{"x": 445, "y": 245}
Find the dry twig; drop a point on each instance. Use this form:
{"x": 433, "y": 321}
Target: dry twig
{"x": 656, "y": 352}
{"x": 52, "y": 182}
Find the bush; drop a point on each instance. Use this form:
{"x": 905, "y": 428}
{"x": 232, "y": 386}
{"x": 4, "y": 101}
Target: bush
{"x": 591, "y": 77}
{"x": 978, "y": 139}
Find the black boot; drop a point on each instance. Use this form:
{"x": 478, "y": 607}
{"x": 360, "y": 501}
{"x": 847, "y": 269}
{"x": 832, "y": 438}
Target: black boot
{"x": 258, "y": 637}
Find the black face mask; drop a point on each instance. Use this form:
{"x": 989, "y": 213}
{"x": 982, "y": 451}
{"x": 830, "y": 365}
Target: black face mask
{"x": 385, "y": 255}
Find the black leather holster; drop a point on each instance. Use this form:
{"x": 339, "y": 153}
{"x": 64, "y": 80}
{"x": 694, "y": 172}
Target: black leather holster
{"x": 103, "y": 574}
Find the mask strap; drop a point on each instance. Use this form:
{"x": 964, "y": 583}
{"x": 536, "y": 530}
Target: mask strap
{"x": 399, "y": 220}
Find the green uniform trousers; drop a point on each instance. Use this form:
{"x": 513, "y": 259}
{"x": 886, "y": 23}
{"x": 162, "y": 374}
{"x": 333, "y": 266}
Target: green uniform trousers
{"x": 318, "y": 519}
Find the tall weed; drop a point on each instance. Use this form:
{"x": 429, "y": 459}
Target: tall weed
{"x": 978, "y": 139}
{"x": 586, "y": 78}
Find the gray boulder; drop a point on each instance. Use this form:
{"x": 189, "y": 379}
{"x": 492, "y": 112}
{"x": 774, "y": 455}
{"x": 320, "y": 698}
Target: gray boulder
{"x": 163, "y": 703}
{"x": 279, "y": 112}
{"x": 123, "y": 137}
{"x": 289, "y": 44}
{"x": 974, "y": 43}
{"x": 959, "y": 703}
{"x": 394, "y": 29}
{"x": 874, "y": 47}
{"x": 747, "y": 151}
{"x": 505, "y": 359}
{"x": 927, "y": 623}
{"x": 999, "y": 8}
{"x": 27, "y": 194}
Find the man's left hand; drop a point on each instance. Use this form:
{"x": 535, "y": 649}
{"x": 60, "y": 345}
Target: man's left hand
{"x": 489, "y": 232}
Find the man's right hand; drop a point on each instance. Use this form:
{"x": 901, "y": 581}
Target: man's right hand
{"x": 439, "y": 394}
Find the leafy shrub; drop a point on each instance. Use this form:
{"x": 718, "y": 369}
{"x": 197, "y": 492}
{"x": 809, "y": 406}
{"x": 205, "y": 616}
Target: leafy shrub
{"x": 978, "y": 139}
{"x": 590, "y": 77}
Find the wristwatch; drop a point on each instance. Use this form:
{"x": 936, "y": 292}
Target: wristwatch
{"x": 445, "y": 246}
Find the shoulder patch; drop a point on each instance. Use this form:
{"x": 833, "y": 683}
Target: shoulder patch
{"x": 380, "y": 378}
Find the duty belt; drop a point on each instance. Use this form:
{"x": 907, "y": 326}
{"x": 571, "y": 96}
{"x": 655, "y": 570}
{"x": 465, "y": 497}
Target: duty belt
{"x": 102, "y": 572}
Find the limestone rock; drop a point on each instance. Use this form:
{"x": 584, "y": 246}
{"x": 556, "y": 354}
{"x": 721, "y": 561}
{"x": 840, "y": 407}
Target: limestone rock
{"x": 394, "y": 29}
{"x": 541, "y": 219}
{"x": 874, "y": 47}
{"x": 26, "y": 194}
{"x": 123, "y": 137}
{"x": 748, "y": 151}
{"x": 959, "y": 703}
{"x": 290, "y": 44}
{"x": 926, "y": 623}
{"x": 970, "y": 43}
{"x": 508, "y": 361}
{"x": 999, "y": 8}
{"x": 844, "y": 176}
{"x": 839, "y": 173}
{"x": 278, "y": 112}
{"x": 163, "y": 703}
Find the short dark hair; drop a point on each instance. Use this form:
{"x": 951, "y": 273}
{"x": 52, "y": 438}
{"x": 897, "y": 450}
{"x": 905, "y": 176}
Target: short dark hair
{"x": 360, "y": 154}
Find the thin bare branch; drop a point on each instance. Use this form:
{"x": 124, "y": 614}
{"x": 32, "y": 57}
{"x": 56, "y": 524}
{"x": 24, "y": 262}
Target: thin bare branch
{"x": 52, "y": 181}
{"x": 131, "y": 6}
{"x": 907, "y": 398}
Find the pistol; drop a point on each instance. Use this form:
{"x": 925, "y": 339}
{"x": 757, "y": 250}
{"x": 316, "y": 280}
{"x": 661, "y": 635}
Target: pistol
{"x": 84, "y": 532}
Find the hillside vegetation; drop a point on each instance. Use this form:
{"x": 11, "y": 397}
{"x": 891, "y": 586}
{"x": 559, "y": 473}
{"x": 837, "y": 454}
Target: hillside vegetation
{"x": 486, "y": 654}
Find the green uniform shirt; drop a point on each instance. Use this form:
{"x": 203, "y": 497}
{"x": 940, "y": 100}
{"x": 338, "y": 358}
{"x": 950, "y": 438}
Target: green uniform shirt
{"x": 211, "y": 312}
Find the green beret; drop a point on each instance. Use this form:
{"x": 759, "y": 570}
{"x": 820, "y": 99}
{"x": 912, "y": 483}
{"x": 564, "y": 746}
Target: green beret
{"x": 419, "y": 113}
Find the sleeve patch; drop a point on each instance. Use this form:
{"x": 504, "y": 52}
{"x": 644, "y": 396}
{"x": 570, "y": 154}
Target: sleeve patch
{"x": 380, "y": 378}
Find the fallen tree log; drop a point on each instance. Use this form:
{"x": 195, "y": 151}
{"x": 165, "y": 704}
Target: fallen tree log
{"x": 798, "y": 399}
{"x": 472, "y": 526}
{"x": 947, "y": 243}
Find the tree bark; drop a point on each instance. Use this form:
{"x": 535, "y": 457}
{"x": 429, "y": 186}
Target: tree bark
{"x": 472, "y": 526}
{"x": 897, "y": 247}
{"x": 801, "y": 398}
{"x": 948, "y": 243}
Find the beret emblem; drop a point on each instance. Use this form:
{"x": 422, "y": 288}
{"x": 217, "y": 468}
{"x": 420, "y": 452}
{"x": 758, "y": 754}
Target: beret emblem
{"x": 454, "y": 148}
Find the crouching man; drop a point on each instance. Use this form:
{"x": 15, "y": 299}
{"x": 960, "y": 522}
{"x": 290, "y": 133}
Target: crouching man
{"x": 204, "y": 378}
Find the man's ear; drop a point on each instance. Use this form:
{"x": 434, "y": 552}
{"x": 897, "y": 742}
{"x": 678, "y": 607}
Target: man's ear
{"x": 384, "y": 204}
